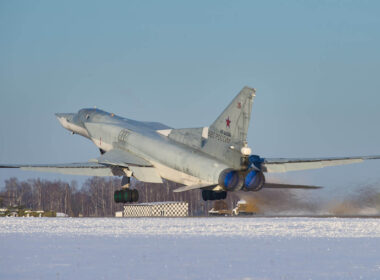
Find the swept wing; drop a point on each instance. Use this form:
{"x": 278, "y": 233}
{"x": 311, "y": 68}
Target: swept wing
{"x": 86, "y": 168}
{"x": 113, "y": 163}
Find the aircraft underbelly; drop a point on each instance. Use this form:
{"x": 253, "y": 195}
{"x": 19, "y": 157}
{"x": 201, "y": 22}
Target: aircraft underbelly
{"x": 175, "y": 162}
{"x": 176, "y": 175}
{"x": 102, "y": 145}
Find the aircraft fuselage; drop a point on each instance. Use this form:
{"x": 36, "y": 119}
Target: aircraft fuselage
{"x": 174, "y": 161}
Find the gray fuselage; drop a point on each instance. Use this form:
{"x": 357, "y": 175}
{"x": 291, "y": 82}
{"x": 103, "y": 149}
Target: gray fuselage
{"x": 174, "y": 161}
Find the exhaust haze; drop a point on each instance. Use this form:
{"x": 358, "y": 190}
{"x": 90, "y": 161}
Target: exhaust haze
{"x": 361, "y": 201}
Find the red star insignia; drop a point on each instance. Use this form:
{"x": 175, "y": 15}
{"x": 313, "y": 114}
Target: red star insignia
{"x": 228, "y": 122}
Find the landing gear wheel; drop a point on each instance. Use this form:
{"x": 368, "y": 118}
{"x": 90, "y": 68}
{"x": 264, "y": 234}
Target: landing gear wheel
{"x": 134, "y": 195}
{"x": 211, "y": 195}
{"x": 126, "y": 196}
{"x": 205, "y": 195}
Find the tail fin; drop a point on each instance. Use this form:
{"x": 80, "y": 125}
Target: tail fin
{"x": 234, "y": 121}
{"x": 226, "y": 136}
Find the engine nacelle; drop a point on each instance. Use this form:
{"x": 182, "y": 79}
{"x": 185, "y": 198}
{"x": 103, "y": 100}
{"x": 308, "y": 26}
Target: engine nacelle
{"x": 231, "y": 180}
{"x": 254, "y": 181}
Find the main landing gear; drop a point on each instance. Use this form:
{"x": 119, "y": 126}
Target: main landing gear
{"x": 126, "y": 195}
{"x": 211, "y": 195}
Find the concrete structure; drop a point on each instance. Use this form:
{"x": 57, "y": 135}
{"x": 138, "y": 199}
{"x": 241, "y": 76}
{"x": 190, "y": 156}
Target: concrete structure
{"x": 119, "y": 214}
{"x": 157, "y": 209}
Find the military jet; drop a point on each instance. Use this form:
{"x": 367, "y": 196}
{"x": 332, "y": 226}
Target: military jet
{"x": 214, "y": 159}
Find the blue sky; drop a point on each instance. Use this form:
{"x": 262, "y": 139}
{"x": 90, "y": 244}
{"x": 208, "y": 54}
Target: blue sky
{"x": 315, "y": 65}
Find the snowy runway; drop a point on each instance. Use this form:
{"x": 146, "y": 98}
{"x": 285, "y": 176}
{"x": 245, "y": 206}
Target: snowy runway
{"x": 190, "y": 248}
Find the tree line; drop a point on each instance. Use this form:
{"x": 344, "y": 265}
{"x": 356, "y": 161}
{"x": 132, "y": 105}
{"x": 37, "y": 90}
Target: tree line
{"x": 94, "y": 198}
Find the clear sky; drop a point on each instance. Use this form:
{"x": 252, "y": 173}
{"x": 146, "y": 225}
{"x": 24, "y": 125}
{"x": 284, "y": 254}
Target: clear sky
{"x": 315, "y": 65}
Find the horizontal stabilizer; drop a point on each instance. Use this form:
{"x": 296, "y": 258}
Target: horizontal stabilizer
{"x": 193, "y": 187}
{"x": 284, "y": 165}
{"x": 287, "y": 186}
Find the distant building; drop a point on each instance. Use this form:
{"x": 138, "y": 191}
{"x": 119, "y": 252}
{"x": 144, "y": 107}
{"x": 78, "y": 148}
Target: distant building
{"x": 157, "y": 209}
{"x": 61, "y": 215}
{"x": 13, "y": 214}
{"x": 30, "y": 213}
{"x": 22, "y": 212}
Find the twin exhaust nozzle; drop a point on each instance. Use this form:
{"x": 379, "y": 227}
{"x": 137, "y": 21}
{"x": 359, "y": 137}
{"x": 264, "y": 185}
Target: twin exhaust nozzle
{"x": 234, "y": 180}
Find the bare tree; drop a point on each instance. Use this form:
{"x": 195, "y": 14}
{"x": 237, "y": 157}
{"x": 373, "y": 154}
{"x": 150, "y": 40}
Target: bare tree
{"x": 94, "y": 197}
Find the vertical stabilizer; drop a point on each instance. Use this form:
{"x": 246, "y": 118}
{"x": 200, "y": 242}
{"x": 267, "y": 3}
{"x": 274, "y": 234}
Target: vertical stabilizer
{"x": 228, "y": 134}
{"x": 226, "y": 137}
{"x": 234, "y": 121}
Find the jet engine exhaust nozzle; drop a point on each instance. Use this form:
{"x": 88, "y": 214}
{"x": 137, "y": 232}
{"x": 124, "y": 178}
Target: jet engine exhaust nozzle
{"x": 231, "y": 180}
{"x": 254, "y": 181}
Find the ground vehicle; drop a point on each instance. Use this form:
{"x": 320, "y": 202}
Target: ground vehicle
{"x": 220, "y": 209}
{"x": 244, "y": 208}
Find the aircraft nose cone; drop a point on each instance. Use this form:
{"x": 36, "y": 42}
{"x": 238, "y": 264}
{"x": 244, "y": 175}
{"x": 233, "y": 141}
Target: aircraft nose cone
{"x": 64, "y": 118}
{"x": 67, "y": 116}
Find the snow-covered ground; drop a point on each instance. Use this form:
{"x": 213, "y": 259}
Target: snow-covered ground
{"x": 189, "y": 248}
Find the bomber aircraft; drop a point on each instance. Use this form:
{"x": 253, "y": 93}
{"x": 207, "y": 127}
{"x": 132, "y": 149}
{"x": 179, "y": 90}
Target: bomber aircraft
{"x": 214, "y": 159}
